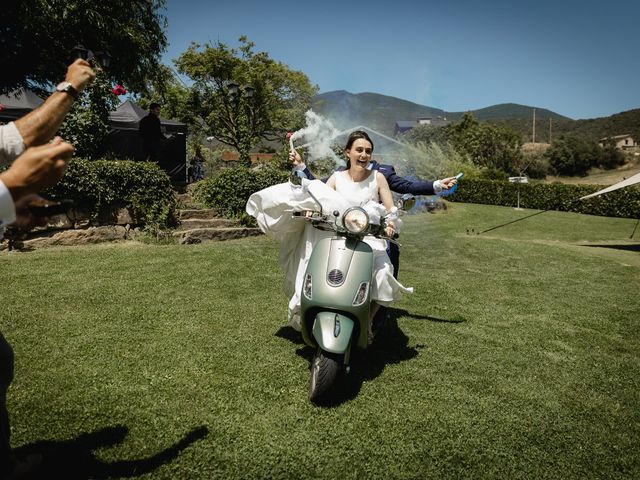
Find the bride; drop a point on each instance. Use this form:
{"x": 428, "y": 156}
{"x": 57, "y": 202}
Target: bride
{"x": 355, "y": 186}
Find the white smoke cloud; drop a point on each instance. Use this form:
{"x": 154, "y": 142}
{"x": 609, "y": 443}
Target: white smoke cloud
{"x": 318, "y": 135}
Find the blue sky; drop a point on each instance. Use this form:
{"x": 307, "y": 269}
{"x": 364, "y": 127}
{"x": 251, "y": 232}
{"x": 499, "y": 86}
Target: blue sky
{"x": 580, "y": 59}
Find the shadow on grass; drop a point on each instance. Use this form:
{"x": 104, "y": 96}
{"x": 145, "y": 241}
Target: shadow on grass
{"x": 390, "y": 346}
{"x": 288, "y": 333}
{"x": 431, "y": 318}
{"x": 628, "y": 247}
{"x": 74, "y": 459}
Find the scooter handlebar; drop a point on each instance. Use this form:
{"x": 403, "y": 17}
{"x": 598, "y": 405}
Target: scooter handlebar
{"x": 317, "y": 219}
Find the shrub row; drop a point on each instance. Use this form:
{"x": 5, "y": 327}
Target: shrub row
{"x": 563, "y": 197}
{"x": 100, "y": 186}
{"x": 228, "y": 192}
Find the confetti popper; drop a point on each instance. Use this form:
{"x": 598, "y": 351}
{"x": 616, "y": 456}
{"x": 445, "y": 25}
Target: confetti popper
{"x": 290, "y": 137}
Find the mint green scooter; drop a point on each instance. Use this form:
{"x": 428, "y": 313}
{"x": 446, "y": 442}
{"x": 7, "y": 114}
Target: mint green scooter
{"x": 336, "y": 293}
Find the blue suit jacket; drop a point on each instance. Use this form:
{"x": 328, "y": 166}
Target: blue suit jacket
{"x": 397, "y": 183}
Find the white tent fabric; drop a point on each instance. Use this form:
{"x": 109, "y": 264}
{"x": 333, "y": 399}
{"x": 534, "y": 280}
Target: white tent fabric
{"x": 18, "y": 103}
{"x": 625, "y": 183}
{"x": 21, "y": 98}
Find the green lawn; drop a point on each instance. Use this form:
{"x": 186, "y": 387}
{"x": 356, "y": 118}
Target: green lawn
{"x": 518, "y": 356}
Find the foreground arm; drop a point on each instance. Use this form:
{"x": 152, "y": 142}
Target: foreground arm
{"x": 40, "y": 125}
{"x": 36, "y": 169}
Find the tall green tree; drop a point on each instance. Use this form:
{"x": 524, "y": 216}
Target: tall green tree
{"x": 244, "y": 96}
{"x": 491, "y": 146}
{"x": 494, "y": 148}
{"x": 178, "y": 101}
{"x": 573, "y": 156}
{"x": 37, "y": 38}
{"x": 610, "y": 156}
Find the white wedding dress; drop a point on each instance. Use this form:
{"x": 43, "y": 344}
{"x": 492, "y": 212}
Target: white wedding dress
{"x": 273, "y": 208}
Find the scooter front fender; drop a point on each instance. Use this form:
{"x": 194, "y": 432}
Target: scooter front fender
{"x": 332, "y": 331}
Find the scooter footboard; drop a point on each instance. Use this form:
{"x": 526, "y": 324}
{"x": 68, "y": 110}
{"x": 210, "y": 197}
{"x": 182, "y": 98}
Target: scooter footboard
{"x": 332, "y": 331}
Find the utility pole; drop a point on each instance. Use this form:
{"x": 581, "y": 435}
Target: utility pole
{"x": 549, "y": 130}
{"x": 534, "y": 125}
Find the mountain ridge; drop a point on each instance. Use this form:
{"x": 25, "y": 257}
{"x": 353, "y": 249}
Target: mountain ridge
{"x": 381, "y": 112}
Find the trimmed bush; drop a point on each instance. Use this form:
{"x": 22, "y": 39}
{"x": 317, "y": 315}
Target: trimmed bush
{"x": 228, "y": 192}
{"x": 623, "y": 203}
{"x": 101, "y": 186}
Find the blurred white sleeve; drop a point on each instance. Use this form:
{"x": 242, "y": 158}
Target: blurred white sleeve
{"x": 11, "y": 143}
{"x": 7, "y": 208}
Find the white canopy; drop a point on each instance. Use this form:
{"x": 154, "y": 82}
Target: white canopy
{"x": 625, "y": 183}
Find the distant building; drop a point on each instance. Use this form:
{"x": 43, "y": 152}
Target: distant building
{"x": 622, "y": 142}
{"x": 406, "y": 125}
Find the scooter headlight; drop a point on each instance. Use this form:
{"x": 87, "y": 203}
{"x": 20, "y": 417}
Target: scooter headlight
{"x": 355, "y": 220}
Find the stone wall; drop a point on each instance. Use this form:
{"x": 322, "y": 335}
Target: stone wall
{"x": 74, "y": 228}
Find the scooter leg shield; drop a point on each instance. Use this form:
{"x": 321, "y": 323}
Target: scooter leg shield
{"x": 332, "y": 331}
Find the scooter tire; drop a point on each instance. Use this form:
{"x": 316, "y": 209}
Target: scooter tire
{"x": 325, "y": 368}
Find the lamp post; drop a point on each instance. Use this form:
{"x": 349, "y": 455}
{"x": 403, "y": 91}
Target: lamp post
{"x": 102, "y": 58}
{"x": 243, "y": 113}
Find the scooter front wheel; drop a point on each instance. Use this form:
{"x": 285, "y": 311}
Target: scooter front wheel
{"x": 325, "y": 368}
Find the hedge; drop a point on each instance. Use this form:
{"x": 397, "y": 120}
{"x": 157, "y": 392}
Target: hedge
{"x": 551, "y": 196}
{"x": 228, "y": 192}
{"x": 101, "y": 186}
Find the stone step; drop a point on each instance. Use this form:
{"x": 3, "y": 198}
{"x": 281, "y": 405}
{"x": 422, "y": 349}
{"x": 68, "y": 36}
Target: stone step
{"x": 192, "y": 206}
{"x": 193, "y": 223}
{"x": 196, "y": 213}
{"x": 186, "y": 202}
{"x": 202, "y": 235}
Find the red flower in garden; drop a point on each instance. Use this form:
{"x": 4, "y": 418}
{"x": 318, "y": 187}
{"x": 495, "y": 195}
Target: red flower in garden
{"x": 119, "y": 90}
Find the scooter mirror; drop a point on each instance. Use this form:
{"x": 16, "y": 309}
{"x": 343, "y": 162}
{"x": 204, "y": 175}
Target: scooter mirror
{"x": 407, "y": 202}
{"x": 297, "y": 176}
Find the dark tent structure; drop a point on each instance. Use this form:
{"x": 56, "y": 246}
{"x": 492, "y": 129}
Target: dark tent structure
{"x": 124, "y": 140}
{"x": 17, "y": 104}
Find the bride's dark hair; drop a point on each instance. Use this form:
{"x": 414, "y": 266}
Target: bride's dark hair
{"x": 355, "y": 135}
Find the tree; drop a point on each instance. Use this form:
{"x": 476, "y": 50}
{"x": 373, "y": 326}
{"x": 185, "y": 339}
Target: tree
{"x": 611, "y": 156}
{"x": 37, "y": 38}
{"x": 490, "y": 146}
{"x": 571, "y": 156}
{"x": 243, "y": 96}
{"x": 178, "y": 101}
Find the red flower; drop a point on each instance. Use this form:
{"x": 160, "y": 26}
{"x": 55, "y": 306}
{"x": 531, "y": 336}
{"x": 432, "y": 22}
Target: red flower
{"x": 119, "y": 90}
{"x": 1, "y": 107}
